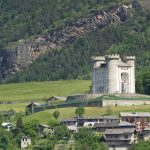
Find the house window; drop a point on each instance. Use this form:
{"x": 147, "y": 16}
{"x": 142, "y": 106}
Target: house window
{"x": 132, "y": 119}
{"x": 126, "y": 136}
{"x": 89, "y": 125}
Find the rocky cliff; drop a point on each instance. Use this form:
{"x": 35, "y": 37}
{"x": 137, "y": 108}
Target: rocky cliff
{"x": 25, "y": 52}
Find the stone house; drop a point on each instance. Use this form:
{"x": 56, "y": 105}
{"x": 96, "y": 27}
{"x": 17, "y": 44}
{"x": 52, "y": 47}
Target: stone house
{"x": 139, "y": 119}
{"x": 119, "y": 138}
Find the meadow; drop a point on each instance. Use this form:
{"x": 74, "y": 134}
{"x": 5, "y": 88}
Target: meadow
{"x": 41, "y": 90}
{"x": 45, "y": 116}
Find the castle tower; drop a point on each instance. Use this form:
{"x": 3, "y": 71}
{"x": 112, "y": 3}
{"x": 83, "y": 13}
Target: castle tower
{"x": 130, "y": 60}
{"x": 113, "y": 79}
{"x": 111, "y": 74}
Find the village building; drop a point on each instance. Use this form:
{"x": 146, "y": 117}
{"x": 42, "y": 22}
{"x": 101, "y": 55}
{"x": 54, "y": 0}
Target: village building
{"x": 119, "y": 138}
{"x": 25, "y": 142}
{"x": 139, "y": 119}
{"x": 45, "y": 129}
{"x": 90, "y": 120}
{"x": 101, "y": 127}
{"x": 55, "y": 98}
{"x": 113, "y": 74}
{"x": 146, "y": 134}
{"x": 70, "y": 123}
{"x": 31, "y": 107}
{"x": 124, "y": 124}
{"x": 8, "y": 126}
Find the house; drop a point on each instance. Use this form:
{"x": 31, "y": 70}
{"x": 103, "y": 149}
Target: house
{"x": 54, "y": 98}
{"x": 45, "y": 129}
{"x": 8, "y": 126}
{"x": 102, "y": 126}
{"x": 25, "y": 142}
{"x": 32, "y": 106}
{"x": 146, "y": 134}
{"x": 87, "y": 121}
{"x": 139, "y": 119}
{"x": 119, "y": 138}
{"x": 111, "y": 125}
{"x": 70, "y": 123}
{"x": 124, "y": 124}
{"x": 90, "y": 120}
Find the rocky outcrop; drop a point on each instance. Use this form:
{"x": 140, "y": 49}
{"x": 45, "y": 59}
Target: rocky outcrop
{"x": 28, "y": 51}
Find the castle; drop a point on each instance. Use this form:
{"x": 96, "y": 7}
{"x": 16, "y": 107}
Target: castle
{"x": 113, "y": 74}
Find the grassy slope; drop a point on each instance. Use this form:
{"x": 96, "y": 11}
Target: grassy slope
{"x": 44, "y": 116}
{"x": 41, "y": 90}
{"x": 19, "y": 107}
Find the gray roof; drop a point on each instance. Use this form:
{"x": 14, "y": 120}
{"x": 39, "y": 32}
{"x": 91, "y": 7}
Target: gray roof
{"x": 147, "y": 129}
{"x": 124, "y": 123}
{"x": 122, "y": 64}
{"x": 68, "y": 120}
{"x": 119, "y": 131}
{"x": 57, "y": 97}
{"x": 105, "y": 125}
{"x": 32, "y": 103}
{"x": 44, "y": 125}
{"x": 99, "y": 117}
{"x": 135, "y": 114}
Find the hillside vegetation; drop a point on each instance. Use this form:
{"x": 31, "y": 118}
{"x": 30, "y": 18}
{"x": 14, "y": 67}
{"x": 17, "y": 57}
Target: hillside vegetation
{"x": 41, "y": 90}
{"x": 44, "y": 116}
{"x": 26, "y": 18}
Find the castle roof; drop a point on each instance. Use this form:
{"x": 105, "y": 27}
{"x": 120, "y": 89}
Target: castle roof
{"x": 122, "y": 64}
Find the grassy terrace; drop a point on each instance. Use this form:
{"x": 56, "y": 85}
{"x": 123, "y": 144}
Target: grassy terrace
{"x": 41, "y": 90}
{"x": 45, "y": 116}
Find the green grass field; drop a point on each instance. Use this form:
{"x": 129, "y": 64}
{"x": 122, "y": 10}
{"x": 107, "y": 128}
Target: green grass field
{"x": 18, "y": 107}
{"x": 42, "y": 90}
{"x": 45, "y": 116}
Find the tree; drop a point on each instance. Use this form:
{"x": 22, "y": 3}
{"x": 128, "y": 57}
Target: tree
{"x": 19, "y": 123}
{"x": 56, "y": 114}
{"x": 61, "y": 132}
{"x": 86, "y": 139}
{"x": 140, "y": 146}
{"x": 52, "y": 122}
{"x": 1, "y": 120}
{"x": 79, "y": 111}
{"x": 6, "y": 140}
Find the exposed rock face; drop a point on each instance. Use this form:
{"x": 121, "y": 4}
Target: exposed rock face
{"x": 27, "y": 51}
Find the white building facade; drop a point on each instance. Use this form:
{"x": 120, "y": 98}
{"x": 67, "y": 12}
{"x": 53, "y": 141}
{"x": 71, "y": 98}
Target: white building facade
{"x": 113, "y": 74}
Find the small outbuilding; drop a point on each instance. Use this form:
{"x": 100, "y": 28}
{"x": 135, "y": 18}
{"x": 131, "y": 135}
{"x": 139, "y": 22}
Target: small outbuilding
{"x": 55, "y": 98}
{"x": 25, "y": 142}
{"x": 8, "y": 126}
{"x": 32, "y": 106}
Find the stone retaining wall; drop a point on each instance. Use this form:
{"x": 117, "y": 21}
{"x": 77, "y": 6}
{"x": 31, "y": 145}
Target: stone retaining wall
{"x": 124, "y": 102}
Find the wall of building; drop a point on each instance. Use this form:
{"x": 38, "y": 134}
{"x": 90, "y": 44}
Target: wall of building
{"x": 124, "y": 102}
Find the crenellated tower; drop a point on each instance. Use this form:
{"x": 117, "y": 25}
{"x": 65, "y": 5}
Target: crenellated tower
{"x": 113, "y": 74}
